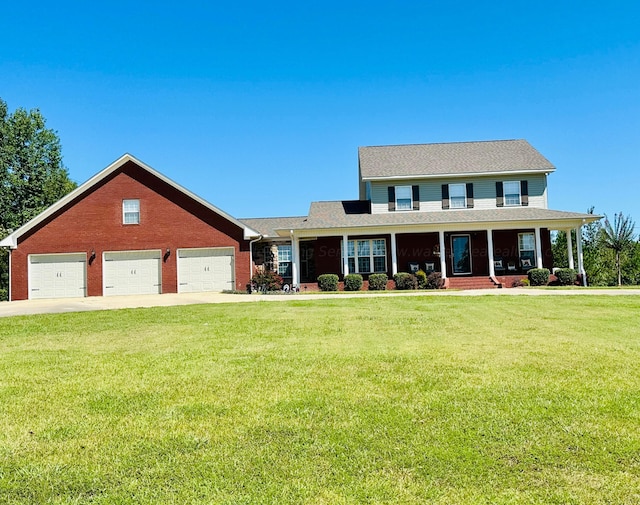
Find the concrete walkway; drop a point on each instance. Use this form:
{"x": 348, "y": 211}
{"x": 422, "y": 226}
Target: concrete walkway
{"x": 28, "y": 307}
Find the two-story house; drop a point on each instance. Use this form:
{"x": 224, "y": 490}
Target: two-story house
{"x": 470, "y": 210}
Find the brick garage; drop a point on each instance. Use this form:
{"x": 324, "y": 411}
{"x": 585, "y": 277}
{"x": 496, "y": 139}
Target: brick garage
{"x": 171, "y": 220}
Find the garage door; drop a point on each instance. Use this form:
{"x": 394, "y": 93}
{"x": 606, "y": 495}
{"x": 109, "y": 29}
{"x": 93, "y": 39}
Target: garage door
{"x": 205, "y": 270}
{"x": 57, "y": 275}
{"x": 132, "y": 273}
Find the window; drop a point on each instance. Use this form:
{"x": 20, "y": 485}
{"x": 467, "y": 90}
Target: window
{"x": 457, "y": 196}
{"x": 131, "y": 211}
{"x": 511, "y": 192}
{"x": 403, "y": 198}
{"x": 527, "y": 247}
{"x": 366, "y": 256}
{"x": 284, "y": 260}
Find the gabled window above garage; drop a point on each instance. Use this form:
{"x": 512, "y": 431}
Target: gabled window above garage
{"x": 131, "y": 211}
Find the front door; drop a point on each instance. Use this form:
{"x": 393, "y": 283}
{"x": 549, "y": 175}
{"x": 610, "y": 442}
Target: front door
{"x": 461, "y": 254}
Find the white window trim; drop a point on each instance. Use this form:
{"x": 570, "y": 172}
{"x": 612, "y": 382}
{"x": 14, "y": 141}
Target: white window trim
{"x": 410, "y": 198}
{"x": 464, "y": 194}
{"x": 125, "y": 212}
{"x": 504, "y": 193}
{"x": 371, "y": 255}
{"x": 285, "y": 262}
{"x": 520, "y": 250}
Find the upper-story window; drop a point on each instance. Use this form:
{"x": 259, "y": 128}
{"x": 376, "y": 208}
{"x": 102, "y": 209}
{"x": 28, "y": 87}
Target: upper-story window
{"x": 131, "y": 211}
{"x": 404, "y": 198}
{"x": 457, "y": 196}
{"x": 511, "y": 193}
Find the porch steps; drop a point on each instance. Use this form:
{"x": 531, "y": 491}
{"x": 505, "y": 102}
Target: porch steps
{"x": 471, "y": 283}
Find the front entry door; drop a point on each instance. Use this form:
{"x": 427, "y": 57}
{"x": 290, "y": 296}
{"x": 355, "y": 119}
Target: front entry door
{"x": 461, "y": 254}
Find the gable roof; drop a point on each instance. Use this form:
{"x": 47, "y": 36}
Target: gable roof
{"x": 12, "y": 239}
{"x": 457, "y": 159}
{"x": 356, "y": 214}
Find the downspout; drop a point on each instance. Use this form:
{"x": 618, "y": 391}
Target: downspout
{"x": 251, "y": 242}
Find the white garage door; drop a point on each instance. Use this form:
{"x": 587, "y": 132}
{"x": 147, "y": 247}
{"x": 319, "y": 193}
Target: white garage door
{"x": 205, "y": 270}
{"x": 132, "y": 273}
{"x": 57, "y": 275}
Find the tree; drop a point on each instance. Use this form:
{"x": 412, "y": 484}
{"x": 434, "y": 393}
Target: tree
{"x": 32, "y": 176}
{"x": 618, "y": 237}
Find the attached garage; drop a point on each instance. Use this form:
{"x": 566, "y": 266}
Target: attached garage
{"x": 210, "y": 269}
{"x": 57, "y": 275}
{"x": 132, "y": 273}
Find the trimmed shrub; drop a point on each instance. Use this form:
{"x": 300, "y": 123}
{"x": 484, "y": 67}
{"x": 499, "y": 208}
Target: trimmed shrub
{"x": 328, "y": 282}
{"x": 539, "y": 276}
{"x": 434, "y": 281}
{"x": 378, "y": 282}
{"x": 566, "y": 276}
{"x": 405, "y": 280}
{"x": 353, "y": 282}
{"x": 421, "y": 277}
{"x": 266, "y": 281}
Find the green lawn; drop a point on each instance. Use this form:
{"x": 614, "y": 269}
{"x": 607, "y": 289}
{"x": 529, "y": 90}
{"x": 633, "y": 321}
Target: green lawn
{"x": 380, "y": 400}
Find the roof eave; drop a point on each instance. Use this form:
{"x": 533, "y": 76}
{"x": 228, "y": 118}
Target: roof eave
{"x": 545, "y": 171}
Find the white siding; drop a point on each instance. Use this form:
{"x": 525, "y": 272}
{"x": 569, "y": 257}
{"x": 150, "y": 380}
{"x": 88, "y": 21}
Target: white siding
{"x": 484, "y": 192}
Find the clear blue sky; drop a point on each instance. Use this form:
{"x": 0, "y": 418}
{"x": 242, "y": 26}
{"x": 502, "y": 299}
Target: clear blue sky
{"x": 259, "y": 107}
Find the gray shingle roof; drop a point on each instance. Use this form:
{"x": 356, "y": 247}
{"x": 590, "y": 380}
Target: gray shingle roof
{"x": 266, "y": 226}
{"x": 353, "y": 214}
{"x": 456, "y": 158}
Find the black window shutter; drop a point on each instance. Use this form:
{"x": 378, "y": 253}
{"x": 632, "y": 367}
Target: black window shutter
{"x": 445, "y": 196}
{"x": 416, "y": 197}
{"x": 469, "y": 195}
{"x": 499, "y": 194}
{"x": 524, "y": 193}
{"x": 392, "y": 198}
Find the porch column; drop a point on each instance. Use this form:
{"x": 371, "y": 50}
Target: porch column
{"x": 295, "y": 262}
{"x": 345, "y": 251}
{"x": 538, "y": 249}
{"x": 492, "y": 268}
{"x": 443, "y": 256}
{"x": 394, "y": 254}
{"x": 570, "y": 249}
{"x": 580, "y": 257}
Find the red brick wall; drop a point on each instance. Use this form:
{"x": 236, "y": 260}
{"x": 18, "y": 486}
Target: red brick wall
{"x": 168, "y": 219}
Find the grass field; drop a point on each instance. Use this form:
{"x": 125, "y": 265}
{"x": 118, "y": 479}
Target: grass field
{"x": 471, "y": 400}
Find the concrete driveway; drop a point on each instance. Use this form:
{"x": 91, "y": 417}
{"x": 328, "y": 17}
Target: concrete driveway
{"x": 28, "y": 307}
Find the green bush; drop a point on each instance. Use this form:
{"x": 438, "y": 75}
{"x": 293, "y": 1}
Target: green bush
{"x": 266, "y": 281}
{"x": 353, "y": 282}
{"x": 378, "y": 282}
{"x": 328, "y": 282}
{"x": 539, "y": 276}
{"x": 4, "y": 294}
{"x": 434, "y": 281}
{"x": 566, "y": 276}
{"x": 405, "y": 280}
{"x": 421, "y": 277}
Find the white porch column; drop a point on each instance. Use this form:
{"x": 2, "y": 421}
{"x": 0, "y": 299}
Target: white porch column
{"x": 345, "y": 258}
{"x": 492, "y": 267}
{"x": 580, "y": 257}
{"x": 394, "y": 254}
{"x": 443, "y": 255}
{"x": 538, "y": 249}
{"x": 570, "y": 249}
{"x": 295, "y": 261}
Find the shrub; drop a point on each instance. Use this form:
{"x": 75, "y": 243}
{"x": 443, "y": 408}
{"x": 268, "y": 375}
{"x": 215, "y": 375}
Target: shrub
{"x": 434, "y": 281}
{"x": 353, "y": 282}
{"x": 566, "y": 276}
{"x": 520, "y": 283}
{"x": 405, "y": 280}
{"x": 266, "y": 281}
{"x": 4, "y": 294}
{"x": 328, "y": 282}
{"x": 539, "y": 276}
{"x": 378, "y": 282}
{"x": 421, "y": 277}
